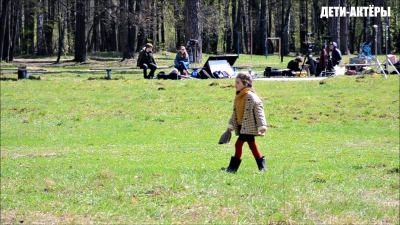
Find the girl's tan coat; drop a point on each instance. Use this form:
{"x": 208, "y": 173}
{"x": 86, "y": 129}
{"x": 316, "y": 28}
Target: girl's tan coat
{"x": 253, "y": 118}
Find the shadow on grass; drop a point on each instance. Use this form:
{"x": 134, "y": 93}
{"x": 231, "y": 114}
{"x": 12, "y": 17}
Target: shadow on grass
{"x": 8, "y": 79}
{"x": 16, "y": 79}
{"x": 106, "y": 78}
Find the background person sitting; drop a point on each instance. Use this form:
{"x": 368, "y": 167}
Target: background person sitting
{"x": 182, "y": 61}
{"x": 146, "y": 61}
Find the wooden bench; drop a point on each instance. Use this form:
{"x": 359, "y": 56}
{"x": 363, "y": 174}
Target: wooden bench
{"x": 22, "y": 71}
{"x": 108, "y": 70}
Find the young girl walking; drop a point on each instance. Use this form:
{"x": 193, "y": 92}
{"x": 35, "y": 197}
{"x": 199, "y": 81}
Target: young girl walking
{"x": 248, "y": 121}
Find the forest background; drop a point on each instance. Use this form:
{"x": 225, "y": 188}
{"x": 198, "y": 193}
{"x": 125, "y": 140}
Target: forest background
{"x": 79, "y": 27}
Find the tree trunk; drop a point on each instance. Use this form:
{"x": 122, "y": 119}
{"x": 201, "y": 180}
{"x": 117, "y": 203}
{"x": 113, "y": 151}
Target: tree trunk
{"x": 123, "y": 30}
{"x": 29, "y": 24}
{"x": 317, "y": 24}
{"x": 41, "y": 40}
{"x": 236, "y": 30}
{"x": 352, "y": 38}
{"x": 4, "y": 11}
{"x": 228, "y": 32}
{"x": 71, "y": 21}
{"x": 153, "y": 26}
{"x": 7, "y": 36}
{"x": 388, "y": 40}
{"x": 377, "y": 20}
{"x": 270, "y": 44}
{"x": 134, "y": 30}
{"x": 344, "y": 31}
{"x": 193, "y": 25}
{"x": 15, "y": 29}
{"x": 263, "y": 27}
{"x": 131, "y": 28}
{"x": 334, "y": 24}
{"x": 286, "y": 31}
{"x": 163, "y": 24}
{"x": 214, "y": 31}
{"x": 49, "y": 23}
{"x": 179, "y": 31}
{"x": 62, "y": 23}
{"x": 95, "y": 39}
{"x": 80, "y": 34}
{"x": 141, "y": 36}
{"x": 367, "y": 27}
{"x": 247, "y": 26}
{"x": 105, "y": 30}
{"x": 282, "y": 28}
{"x": 303, "y": 27}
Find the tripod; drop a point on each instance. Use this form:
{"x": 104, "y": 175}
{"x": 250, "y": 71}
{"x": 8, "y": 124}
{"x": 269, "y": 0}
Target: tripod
{"x": 388, "y": 61}
{"x": 379, "y": 65}
{"x": 310, "y": 61}
{"x": 376, "y": 58}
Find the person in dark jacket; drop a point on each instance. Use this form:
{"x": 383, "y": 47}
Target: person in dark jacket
{"x": 294, "y": 65}
{"x": 146, "y": 61}
{"x": 336, "y": 55}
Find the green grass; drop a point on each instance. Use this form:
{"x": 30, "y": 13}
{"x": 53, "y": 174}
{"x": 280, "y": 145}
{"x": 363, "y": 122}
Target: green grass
{"x": 132, "y": 151}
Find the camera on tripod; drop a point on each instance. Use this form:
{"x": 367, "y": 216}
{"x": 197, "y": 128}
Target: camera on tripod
{"x": 192, "y": 42}
{"x": 308, "y": 44}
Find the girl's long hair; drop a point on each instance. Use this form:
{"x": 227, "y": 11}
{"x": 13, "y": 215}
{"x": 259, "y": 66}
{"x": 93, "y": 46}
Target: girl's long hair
{"x": 184, "y": 54}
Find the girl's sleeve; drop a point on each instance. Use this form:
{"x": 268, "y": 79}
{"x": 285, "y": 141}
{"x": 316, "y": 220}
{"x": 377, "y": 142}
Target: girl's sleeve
{"x": 176, "y": 61}
{"x": 259, "y": 115}
{"x": 232, "y": 120}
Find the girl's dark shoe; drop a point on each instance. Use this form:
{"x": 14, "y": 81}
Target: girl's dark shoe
{"x": 261, "y": 164}
{"x": 233, "y": 165}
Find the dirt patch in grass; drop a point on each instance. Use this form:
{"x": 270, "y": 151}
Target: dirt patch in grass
{"x": 16, "y": 155}
{"x": 12, "y": 217}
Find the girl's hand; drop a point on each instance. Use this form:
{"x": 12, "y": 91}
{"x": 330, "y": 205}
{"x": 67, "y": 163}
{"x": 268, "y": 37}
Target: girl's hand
{"x": 263, "y": 131}
{"x": 230, "y": 130}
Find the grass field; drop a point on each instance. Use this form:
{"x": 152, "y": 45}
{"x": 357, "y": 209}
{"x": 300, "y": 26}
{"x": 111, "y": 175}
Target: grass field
{"x": 76, "y": 149}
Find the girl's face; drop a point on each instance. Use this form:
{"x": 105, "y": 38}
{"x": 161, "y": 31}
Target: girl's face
{"x": 239, "y": 84}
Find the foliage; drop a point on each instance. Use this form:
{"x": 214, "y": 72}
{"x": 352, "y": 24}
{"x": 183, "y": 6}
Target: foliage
{"x": 125, "y": 25}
